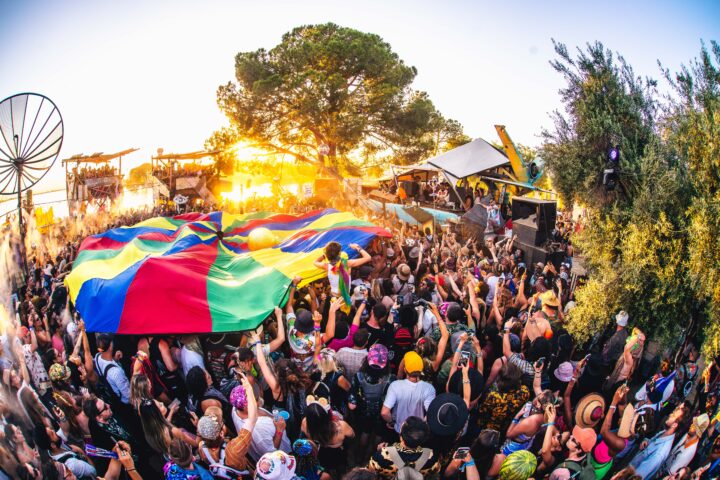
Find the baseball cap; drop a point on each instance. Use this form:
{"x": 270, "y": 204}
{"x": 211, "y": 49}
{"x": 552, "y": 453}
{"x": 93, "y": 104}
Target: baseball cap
{"x": 378, "y": 355}
{"x": 413, "y": 362}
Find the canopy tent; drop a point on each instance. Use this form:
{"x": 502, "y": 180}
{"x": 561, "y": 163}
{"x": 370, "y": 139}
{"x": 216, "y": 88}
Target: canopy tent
{"x": 408, "y": 172}
{"x": 470, "y": 159}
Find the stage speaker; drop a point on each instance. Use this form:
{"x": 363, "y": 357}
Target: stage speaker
{"x": 527, "y": 231}
{"x": 541, "y": 213}
{"x": 532, "y": 253}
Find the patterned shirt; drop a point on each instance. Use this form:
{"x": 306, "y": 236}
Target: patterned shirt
{"x": 381, "y": 464}
{"x": 351, "y": 359}
{"x": 498, "y": 409}
{"x": 301, "y": 348}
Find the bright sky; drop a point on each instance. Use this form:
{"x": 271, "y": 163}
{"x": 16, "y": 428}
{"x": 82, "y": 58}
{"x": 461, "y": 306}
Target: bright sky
{"x": 144, "y": 74}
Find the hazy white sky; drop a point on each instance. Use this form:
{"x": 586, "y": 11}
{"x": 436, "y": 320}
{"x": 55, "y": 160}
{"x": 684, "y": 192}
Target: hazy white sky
{"x": 144, "y": 73}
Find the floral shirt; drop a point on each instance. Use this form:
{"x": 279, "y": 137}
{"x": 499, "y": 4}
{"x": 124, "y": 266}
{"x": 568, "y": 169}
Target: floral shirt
{"x": 301, "y": 348}
{"x": 498, "y": 409}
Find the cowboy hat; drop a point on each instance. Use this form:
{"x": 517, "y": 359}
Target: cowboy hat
{"x": 447, "y": 414}
{"x": 589, "y": 410}
{"x": 548, "y": 298}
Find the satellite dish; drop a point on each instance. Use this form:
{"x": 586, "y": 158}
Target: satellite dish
{"x": 31, "y": 134}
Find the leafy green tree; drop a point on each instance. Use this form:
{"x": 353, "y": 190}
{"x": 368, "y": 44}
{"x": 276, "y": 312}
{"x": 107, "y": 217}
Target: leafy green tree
{"x": 635, "y": 240}
{"x": 605, "y": 105}
{"x": 328, "y": 95}
{"x": 692, "y": 128}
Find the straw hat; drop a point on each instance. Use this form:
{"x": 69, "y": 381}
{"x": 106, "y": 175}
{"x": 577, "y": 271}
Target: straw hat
{"x": 548, "y": 298}
{"x": 627, "y": 422}
{"x": 701, "y": 423}
{"x": 589, "y": 410}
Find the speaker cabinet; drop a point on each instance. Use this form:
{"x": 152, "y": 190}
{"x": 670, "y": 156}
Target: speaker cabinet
{"x": 532, "y": 212}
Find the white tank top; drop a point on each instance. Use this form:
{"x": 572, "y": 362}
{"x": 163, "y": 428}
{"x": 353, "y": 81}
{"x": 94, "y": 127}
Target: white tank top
{"x": 334, "y": 280}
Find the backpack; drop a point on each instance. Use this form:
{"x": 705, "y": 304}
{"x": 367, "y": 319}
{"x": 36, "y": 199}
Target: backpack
{"x": 406, "y": 472}
{"x": 373, "y": 393}
{"x": 220, "y": 470}
{"x": 579, "y": 471}
{"x": 103, "y": 388}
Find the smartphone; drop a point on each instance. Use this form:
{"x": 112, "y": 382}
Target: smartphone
{"x": 540, "y": 363}
{"x": 461, "y": 453}
{"x": 84, "y": 391}
{"x": 173, "y": 403}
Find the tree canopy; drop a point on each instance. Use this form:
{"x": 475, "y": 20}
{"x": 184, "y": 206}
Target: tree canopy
{"x": 651, "y": 247}
{"x": 332, "y": 96}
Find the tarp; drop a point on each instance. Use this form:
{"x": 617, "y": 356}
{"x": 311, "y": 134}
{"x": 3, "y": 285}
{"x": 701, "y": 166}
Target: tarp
{"x": 478, "y": 216}
{"x": 470, "y": 159}
{"x": 195, "y": 273}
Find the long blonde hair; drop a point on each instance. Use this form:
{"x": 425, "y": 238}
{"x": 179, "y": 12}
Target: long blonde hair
{"x": 140, "y": 390}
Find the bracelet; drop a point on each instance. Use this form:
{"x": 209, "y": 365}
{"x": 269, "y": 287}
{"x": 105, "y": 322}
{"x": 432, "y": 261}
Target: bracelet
{"x": 253, "y": 345}
{"x": 613, "y": 407}
{"x": 466, "y": 382}
{"x": 548, "y": 424}
{"x": 515, "y": 421}
{"x": 471, "y": 463}
{"x": 130, "y": 470}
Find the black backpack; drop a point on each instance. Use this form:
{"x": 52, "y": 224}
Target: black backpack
{"x": 373, "y": 393}
{"x": 103, "y": 388}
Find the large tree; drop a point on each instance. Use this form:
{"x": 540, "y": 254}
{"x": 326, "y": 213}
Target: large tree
{"x": 330, "y": 95}
{"x": 635, "y": 240}
{"x": 605, "y": 105}
{"x": 691, "y": 125}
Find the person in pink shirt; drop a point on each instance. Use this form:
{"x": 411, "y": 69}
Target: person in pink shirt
{"x": 344, "y": 334}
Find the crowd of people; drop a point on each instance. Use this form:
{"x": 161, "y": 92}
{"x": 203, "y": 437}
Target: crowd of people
{"x": 445, "y": 357}
{"x": 95, "y": 172}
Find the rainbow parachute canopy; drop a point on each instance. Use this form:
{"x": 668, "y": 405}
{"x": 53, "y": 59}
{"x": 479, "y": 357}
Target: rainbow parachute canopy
{"x": 195, "y": 273}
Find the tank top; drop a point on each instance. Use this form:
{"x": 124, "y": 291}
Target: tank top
{"x": 334, "y": 280}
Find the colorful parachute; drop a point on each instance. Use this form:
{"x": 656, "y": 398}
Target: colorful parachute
{"x": 194, "y": 273}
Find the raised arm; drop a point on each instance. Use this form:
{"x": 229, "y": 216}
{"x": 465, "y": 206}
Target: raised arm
{"x": 507, "y": 351}
{"x": 330, "y": 327}
{"x": 265, "y": 369}
{"x": 364, "y": 256}
{"x": 291, "y": 295}
{"x": 548, "y": 459}
{"x": 613, "y": 441}
{"x": 252, "y": 407}
{"x": 444, "y": 338}
{"x": 280, "y": 339}
{"x": 537, "y": 380}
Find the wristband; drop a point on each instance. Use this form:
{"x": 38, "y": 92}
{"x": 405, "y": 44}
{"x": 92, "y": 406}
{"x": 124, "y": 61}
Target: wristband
{"x": 316, "y": 328}
{"x": 130, "y": 470}
{"x": 471, "y": 463}
{"x": 613, "y": 407}
{"x": 515, "y": 421}
{"x": 548, "y": 424}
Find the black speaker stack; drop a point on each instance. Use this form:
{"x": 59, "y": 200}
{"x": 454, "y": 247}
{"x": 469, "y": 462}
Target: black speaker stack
{"x": 533, "y": 222}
